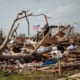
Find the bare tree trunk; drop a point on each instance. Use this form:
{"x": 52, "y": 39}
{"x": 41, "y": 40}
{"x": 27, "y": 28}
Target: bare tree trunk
{"x": 3, "y": 45}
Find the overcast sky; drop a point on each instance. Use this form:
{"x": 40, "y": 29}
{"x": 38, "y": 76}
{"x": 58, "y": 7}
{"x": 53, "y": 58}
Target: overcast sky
{"x": 61, "y": 12}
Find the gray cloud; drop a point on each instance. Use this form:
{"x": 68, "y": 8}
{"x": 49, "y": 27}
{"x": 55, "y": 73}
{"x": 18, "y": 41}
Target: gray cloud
{"x": 60, "y": 11}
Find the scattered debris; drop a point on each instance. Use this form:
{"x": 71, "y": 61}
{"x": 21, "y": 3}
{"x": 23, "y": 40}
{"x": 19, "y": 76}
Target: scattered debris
{"x": 52, "y": 45}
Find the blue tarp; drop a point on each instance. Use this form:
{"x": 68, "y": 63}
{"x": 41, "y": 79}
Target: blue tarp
{"x": 52, "y": 61}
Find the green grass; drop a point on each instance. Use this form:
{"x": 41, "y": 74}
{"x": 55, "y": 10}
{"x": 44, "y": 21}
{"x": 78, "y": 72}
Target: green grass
{"x": 27, "y": 76}
{"x": 6, "y": 76}
{"x": 35, "y": 75}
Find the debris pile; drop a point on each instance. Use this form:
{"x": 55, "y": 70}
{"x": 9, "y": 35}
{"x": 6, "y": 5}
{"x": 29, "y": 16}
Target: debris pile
{"x": 52, "y": 45}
